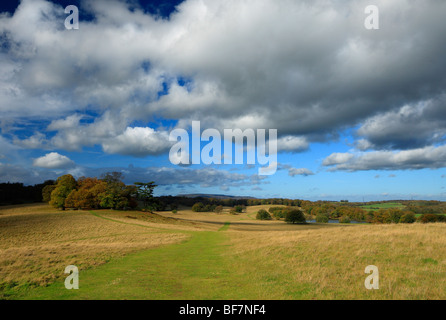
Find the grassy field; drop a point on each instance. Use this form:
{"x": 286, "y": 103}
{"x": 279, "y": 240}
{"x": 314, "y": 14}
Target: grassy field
{"x": 420, "y": 214}
{"x": 385, "y": 205}
{"x": 134, "y": 255}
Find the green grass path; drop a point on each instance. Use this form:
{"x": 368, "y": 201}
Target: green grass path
{"x": 195, "y": 269}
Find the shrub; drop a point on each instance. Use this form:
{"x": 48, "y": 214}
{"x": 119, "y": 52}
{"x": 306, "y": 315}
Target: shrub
{"x": 381, "y": 216}
{"x": 239, "y": 209}
{"x": 408, "y": 218}
{"x": 309, "y": 217}
{"x": 322, "y": 218}
{"x": 395, "y": 215}
{"x": 370, "y": 216}
{"x": 336, "y": 213}
{"x": 198, "y": 207}
{"x": 209, "y": 208}
{"x": 174, "y": 211}
{"x": 295, "y": 216}
{"x": 344, "y": 219}
{"x": 428, "y": 218}
{"x": 277, "y": 212}
{"x": 218, "y": 209}
{"x": 279, "y": 215}
{"x": 232, "y": 211}
{"x": 262, "y": 214}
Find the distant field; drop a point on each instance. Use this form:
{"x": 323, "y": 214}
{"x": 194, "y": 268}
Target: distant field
{"x": 188, "y": 255}
{"x": 420, "y": 214}
{"x": 386, "y": 205}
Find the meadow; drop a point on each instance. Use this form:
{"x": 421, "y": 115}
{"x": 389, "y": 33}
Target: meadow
{"x": 189, "y": 255}
{"x": 385, "y": 205}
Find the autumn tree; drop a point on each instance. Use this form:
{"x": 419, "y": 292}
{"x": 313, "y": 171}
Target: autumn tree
{"x": 86, "y": 195}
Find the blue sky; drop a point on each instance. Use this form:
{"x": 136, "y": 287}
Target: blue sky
{"x": 360, "y": 114}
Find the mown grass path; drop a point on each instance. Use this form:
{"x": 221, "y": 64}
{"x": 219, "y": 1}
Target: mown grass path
{"x": 198, "y": 268}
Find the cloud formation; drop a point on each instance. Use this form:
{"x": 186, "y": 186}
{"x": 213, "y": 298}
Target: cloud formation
{"x": 48, "y": 168}
{"x": 300, "y": 172}
{"x": 138, "y": 142}
{"x": 409, "y": 127}
{"x": 222, "y": 62}
{"x": 53, "y": 160}
{"x": 306, "y": 68}
{"x": 427, "y": 157}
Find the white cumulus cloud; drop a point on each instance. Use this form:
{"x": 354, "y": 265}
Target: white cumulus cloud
{"x": 53, "y": 160}
{"x": 138, "y": 142}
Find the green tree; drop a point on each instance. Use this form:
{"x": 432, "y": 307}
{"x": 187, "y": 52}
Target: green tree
{"x": 295, "y": 216}
{"x": 144, "y": 192}
{"x": 278, "y": 212}
{"x": 64, "y": 185}
{"x": 322, "y": 218}
{"x": 239, "y": 209}
{"x": 114, "y": 195}
{"x": 408, "y": 217}
{"x": 198, "y": 207}
{"x": 46, "y": 192}
{"x": 262, "y": 214}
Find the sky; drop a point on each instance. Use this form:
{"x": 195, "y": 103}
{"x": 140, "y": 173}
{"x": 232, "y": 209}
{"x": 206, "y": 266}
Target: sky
{"x": 360, "y": 113}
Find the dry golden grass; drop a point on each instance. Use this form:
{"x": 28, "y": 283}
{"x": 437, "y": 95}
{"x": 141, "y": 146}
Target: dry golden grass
{"x": 164, "y": 221}
{"x": 283, "y": 261}
{"x": 242, "y": 222}
{"x": 32, "y": 208}
{"x": 329, "y": 263}
{"x": 35, "y": 247}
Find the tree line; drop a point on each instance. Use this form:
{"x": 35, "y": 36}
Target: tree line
{"x": 110, "y": 192}
{"x": 107, "y": 192}
{"x": 18, "y": 193}
{"x": 413, "y": 211}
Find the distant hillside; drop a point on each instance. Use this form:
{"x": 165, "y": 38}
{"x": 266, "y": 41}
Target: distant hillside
{"x": 214, "y": 196}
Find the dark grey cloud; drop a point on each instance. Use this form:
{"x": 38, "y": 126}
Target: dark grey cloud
{"x": 411, "y": 126}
